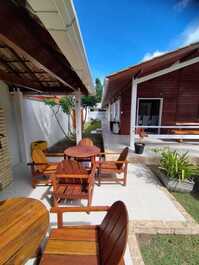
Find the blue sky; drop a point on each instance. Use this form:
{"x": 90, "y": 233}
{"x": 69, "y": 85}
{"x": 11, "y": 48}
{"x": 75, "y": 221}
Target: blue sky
{"x": 120, "y": 33}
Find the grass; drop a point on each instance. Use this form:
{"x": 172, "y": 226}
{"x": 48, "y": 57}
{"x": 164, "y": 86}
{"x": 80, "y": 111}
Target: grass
{"x": 190, "y": 201}
{"x": 88, "y": 128}
{"x": 169, "y": 249}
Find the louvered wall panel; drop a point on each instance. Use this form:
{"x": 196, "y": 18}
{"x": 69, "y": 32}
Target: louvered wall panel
{"x": 5, "y": 165}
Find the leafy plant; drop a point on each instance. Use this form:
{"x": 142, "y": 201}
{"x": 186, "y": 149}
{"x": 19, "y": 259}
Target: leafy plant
{"x": 141, "y": 134}
{"x": 66, "y": 103}
{"x": 176, "y": 165}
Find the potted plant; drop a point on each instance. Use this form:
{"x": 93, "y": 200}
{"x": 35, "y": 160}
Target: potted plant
{"x": 139, "y": 146}
{"x": 175, "y": 170}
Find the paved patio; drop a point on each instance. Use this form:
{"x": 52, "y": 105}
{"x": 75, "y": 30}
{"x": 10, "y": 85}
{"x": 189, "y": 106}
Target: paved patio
{"x": 143, "y": 196}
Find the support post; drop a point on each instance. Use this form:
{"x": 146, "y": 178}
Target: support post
{"x": 78, "y": 119}
{"x": 109, "y": 115}
{"x": 133, "y": 112}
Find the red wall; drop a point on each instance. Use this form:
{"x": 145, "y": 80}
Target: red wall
{"x": 180, "y": 93}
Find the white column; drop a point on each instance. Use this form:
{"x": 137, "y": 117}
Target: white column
{"x": 78, "y": 119}
{"x": 109, "y": 115}
{"x": 133, "y": 112}
{"x": 114, "y": 110}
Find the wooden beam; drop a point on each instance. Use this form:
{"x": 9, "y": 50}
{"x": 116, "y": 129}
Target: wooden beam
{"x": 27, "y": 36}
{"x": 12, "y": 79}
{"x": 165, "y": 71}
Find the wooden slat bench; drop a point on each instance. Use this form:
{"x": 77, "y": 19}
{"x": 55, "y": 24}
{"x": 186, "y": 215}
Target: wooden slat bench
{"x": 102, "y": 244}
{"x": 185, "y": 132}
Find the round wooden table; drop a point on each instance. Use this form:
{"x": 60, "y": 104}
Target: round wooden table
{"x": 23, "y": 225}
{"x": 80, "y": 151}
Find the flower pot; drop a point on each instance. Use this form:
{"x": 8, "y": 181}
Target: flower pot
{"x": 173, "y": 184}
{"x": 139, "y": 148}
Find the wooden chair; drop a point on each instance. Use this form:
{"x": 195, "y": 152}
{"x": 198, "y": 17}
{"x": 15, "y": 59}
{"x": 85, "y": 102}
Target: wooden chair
{"x": 102, "y": 244}
{"x": 86, "y": 142}
{"x": 113, "y": 167}
{"x": 42, "y": 170}
{"x": 72, "y": 181}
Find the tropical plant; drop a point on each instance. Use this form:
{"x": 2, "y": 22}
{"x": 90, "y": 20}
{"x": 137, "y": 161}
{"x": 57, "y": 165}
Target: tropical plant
{"x": 142, "y": 135}
{"x": 91, "y": 101}
{"x": 66, "y": 104}
{"x": 177, "y": 165}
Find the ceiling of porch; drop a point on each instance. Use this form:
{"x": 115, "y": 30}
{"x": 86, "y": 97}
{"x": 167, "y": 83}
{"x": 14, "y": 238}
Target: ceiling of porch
{"x": 29, "y": 57}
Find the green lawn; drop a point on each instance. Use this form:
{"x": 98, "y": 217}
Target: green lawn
{"x": 190, "y": 201}
{"x": 169, "y": 249}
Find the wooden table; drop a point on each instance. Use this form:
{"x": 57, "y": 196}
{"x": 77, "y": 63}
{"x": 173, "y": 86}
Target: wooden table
{"x": 23, "y": 225}
{"x": 79, "y": 151}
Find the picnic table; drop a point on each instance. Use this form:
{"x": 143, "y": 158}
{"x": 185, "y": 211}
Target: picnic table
{"x": 23, "y": 225}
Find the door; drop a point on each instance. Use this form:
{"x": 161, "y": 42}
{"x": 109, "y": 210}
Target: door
{"x": 149, "y": 113}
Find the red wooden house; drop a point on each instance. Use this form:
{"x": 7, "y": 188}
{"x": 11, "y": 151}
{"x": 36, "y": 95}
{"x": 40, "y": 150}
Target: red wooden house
{"x": 161, "y": 95}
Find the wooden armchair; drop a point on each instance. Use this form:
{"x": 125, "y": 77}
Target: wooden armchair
{"x": 118, "y": 166}
{"x": 102, "y": 244}
{"x": 72, "y": 181}
{"x": 86, "y": 142}
{"x": 42, "y": 170}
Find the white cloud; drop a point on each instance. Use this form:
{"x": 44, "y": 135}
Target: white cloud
{"x": 182, "y": 4}
{"x": 190, "y": 35}
{"x": 149, "y": 56}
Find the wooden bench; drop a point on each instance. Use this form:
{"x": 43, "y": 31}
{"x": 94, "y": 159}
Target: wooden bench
{"x": 185, "y": 132}
{"x": 102, "y": 244}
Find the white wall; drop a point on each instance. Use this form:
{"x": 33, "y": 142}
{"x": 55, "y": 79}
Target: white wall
{"x": 40, "y": 123}
{"x": 6, "y": 102}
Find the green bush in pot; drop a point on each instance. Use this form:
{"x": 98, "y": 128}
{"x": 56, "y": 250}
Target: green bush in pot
{"x": 176, "y": 165}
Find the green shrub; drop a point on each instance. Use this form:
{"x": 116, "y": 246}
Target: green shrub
{"x": 177, "y": 165}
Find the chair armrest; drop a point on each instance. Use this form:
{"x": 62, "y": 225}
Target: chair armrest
{"x": 48, "y": 154}
{"x": 61, "y": 210}
{"x": 37, "y": 164}
{"x": 113, "y": 161}
{"x": 41, "y": 164}
{"x": 109, "y": 153}
{"x": 79, "y": 209}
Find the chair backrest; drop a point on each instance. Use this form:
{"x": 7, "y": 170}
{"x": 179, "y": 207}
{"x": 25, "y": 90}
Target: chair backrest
{"x": 123, "y": 156}
{"x": 38, "y": 157}
{"x": 113, "y": 234}
{"x": 86, "y": 142}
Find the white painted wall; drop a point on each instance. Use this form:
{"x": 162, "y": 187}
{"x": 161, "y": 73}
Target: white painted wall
{"x": 7, "y": 103}
{"x": 40, "y": 123}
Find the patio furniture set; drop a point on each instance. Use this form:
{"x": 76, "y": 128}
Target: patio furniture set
{"x": 74, "y": 177}
{"x": 24, "y": 221}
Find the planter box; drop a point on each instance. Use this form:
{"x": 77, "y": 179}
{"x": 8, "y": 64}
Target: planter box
{"x": 171, "y": 184}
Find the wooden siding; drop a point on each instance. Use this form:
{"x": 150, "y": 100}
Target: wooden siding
{"x": 180, "y": 93}
{"x": 125, "y": 112}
